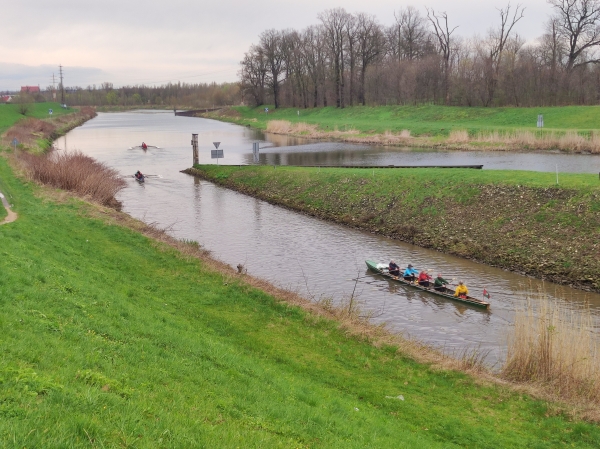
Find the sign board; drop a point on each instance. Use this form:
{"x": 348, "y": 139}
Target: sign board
{"x": 216, "y": 144}
{"x": 540, "y": 122}
{"x": 216, "y": 154}
{"x": 50, "y": 111}
{"x": 255, "y": 151}
{"x": 15, "y": 142}
{"x": 266, "y": 110}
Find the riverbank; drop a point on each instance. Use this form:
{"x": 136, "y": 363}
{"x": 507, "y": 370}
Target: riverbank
{"x": 115, "y": 338}
{"x": 569, "y": 128}
{"x": 36, "y": 134}
{"x": 516, "y": 220}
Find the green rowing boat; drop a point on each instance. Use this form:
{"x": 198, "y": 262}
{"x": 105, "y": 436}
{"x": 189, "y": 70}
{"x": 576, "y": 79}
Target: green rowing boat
{"x": 382, "y": 269}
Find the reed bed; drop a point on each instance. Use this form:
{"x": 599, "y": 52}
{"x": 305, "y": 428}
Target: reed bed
{"x": 541, "y": 140}
{"x": 556, "y": 349}
{"x": 286, "y": 127}
{"x": 458, "y": 136}
{"x": 75, "y": 172}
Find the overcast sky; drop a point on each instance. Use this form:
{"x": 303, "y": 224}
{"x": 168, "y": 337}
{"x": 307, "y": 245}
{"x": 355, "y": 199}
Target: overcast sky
{"x": 153, "y": 42}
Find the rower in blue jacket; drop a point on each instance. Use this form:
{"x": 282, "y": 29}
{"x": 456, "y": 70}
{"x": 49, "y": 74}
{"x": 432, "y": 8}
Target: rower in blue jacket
{"x": 410, "y": 274}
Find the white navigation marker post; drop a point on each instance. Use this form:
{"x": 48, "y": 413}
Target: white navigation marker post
{"x": 216, "y": 153}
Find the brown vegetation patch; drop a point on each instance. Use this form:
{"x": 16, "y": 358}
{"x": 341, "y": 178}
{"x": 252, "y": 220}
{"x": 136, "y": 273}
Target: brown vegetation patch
{"x": 75, "y": 172}
{"x": 554, "y": 348}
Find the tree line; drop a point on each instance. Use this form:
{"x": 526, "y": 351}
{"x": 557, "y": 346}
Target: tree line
{"x": 171, "y": 95}
{"x": 347, "y": 59}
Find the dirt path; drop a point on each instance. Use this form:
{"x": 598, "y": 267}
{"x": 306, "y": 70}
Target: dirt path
{"x": 11, "y": 215}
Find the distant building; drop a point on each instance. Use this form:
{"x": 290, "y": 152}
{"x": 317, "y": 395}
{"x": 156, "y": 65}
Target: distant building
{"x": 30, "y": 89}
{"x": 5, "y": 98}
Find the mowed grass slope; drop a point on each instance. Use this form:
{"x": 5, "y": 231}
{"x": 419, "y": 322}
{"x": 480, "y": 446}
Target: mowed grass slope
{"x": 513, "y": 219}
{"x": 9, "y": 114}
{"x": 109, "y": 339}
{"x": 3, "y": 212}
{"x": 428, "y": 120}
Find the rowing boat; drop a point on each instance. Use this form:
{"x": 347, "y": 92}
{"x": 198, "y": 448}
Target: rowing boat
{"x": 382, "y": 269}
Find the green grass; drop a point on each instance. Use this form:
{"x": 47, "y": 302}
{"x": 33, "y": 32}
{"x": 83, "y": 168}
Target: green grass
{"x": 110, "y": 340}
{"x": 9, "y": 114}
{"x": 514, "y": 219}
{"x": 429, "y": 120}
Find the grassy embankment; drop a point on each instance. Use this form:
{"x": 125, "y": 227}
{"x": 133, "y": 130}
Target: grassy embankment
{"x": 9, "y": 114}
{"x": 571, "y": 128}
{"x": 37, "y": 130}
{"x": 3, "y": 212}
{"x": 112, "y": 339}
{"x": 515, "y": 220}
{"x": 109, "y": 338}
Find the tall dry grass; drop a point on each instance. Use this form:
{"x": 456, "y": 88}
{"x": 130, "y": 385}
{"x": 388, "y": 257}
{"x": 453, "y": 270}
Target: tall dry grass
{"x": 286, "y": 127}
{"x": 75, "y": 172}
{"x": 555, "y": 348}
{"x": 458, "y": 136}
{"x": 541, "y": 140}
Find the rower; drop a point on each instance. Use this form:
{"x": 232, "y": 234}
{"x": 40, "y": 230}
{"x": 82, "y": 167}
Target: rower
{"x": 139, "y": 176}
{"x": 144, "y": 146}
{"x": 440, "y": 283}
{"x": 461, "y": 290}
{"x": 393, "y": 268}
{"x": 410, "y": 273}
{"x": 424, "y": 279}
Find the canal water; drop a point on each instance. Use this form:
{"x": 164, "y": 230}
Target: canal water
{"x": 316, "y": 258}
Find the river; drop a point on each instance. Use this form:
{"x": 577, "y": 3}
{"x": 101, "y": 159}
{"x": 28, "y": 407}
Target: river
{"x": 314, "y": 257}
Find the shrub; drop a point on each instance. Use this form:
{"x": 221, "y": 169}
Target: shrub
{"x": 76, "y": 172}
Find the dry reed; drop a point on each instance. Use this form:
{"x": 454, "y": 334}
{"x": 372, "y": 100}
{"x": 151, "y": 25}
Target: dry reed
{"x": 555, "y": 348}
{"x": 542, "y": 140}
{"x": 76, "y": 172}
{"x": 458, "y": 136}
{"x": 286, "y": 127}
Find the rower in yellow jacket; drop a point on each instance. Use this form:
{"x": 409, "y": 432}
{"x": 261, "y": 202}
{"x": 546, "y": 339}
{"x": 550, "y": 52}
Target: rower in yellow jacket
{"x": 461, "y": 290}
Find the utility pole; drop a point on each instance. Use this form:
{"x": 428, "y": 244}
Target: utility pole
{"x": 53, "y": 87}
{"x": 62, "y": 86}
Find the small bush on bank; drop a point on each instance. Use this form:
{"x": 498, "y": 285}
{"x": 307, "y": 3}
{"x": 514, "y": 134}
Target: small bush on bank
{"x": 75, "y": 172}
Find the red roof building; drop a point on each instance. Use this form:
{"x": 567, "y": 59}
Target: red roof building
{"x": 30, "y": 89}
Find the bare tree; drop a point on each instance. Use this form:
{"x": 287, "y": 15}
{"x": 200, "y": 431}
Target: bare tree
{"x": 579, "y": 26}
{"x": 351, "y": 43}
{"x": 272, "y": 43}
{"x": 443, "y": 33}
{"x": 498, "y": 39}
{"x": 370, "y": 47}
{"x": 309, "y": 40}
{"x": 253, "y": 74}
{"x": 334, "y": 22}
{"x": 411, "y": 33}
